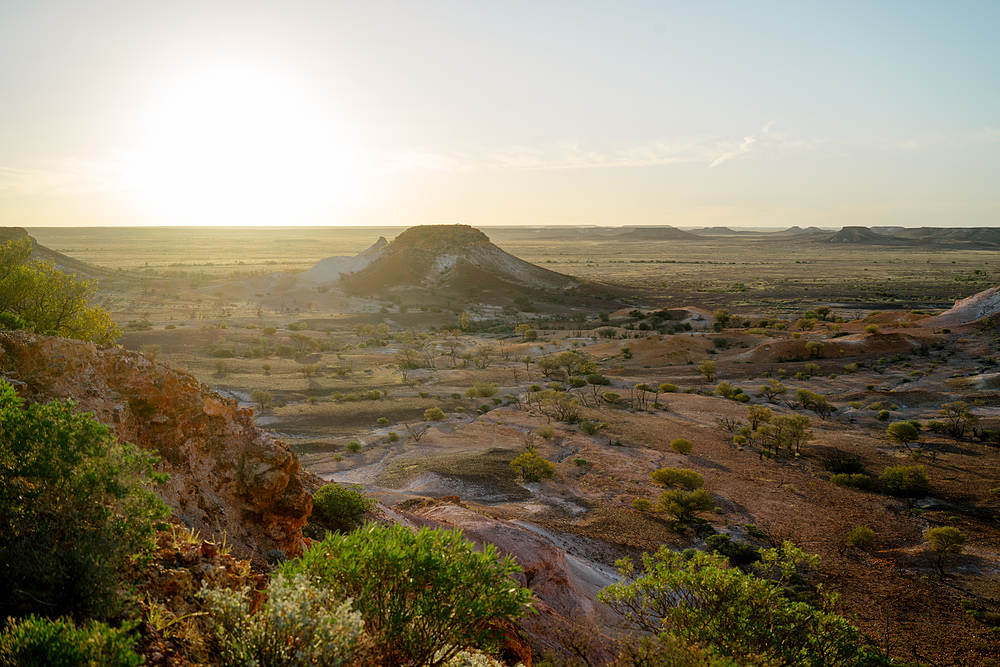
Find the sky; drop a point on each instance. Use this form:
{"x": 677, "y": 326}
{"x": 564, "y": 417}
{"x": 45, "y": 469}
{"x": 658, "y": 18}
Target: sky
{"x": 404, "y": 112}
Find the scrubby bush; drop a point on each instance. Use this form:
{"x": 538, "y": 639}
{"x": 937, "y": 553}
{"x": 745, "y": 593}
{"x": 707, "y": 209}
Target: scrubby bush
{"x": 392, "y": 436}
{"x": 75, "y": 507}
{"x": 340, "y": 508}
{"x": 907, "y": 481}
{"x": 353, "y": 446}
{"x": 689, "y": 479}
{"x": 701, "y": 599}
{"x": 590, "y": 428}
{"x": 299, "y": 624}
{"x": 883, "y": 415}
{"x": 424, "y": 596}
{"x": 843, "y": 464}
{"x": 531, "y": 467}
{"x": 861, "y": 537}
{"x": 681, "y": 446}
{"x": 683, "y": 505}
{"x": 641, "y": 505}
{"x": 852, "y": 481}
{"x": 434, "y": 414}
{"x": 382, "y": 421}
{"x": 483, "y": 389}
{"x": 41, "y": 642}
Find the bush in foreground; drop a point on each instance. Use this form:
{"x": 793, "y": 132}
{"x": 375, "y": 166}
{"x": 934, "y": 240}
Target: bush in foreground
{"x": 340, "y": 508}
{"x": 702, "y": 600}
{"x": 75, "y": 507}
{"x": 298, "y": 625}
{"x": 41, "y": 642}
{"x": 424, "y": 596}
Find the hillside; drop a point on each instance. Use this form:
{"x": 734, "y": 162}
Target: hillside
{"x": 455, "y": 258}
{"x": 658, "y": 234}
{"x": 40, "y": 252}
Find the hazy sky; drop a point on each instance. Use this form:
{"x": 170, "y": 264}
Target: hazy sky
{"x": 412, "y": 112}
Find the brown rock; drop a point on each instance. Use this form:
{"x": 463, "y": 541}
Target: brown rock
{"x": 227, "y": 476}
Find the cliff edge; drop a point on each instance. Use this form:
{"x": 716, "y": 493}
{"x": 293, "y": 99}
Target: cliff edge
{"x": 227, "y": 477}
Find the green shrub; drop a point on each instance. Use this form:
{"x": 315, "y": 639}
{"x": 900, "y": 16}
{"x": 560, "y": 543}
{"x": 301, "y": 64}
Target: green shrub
{"x": 434, "y": 414}
{"x": 947, "y": 543}
{"x": 424, "y": 596}
{"x": 681, "y": 446}
{"x": 531, "y": 467}
{"x": 883, "y": 415}
{"x": 41, "y": 642}
{"x": 689, "y": 479}
{"x": 382, "y": 421}
{"x": 683, "y": 504}
{"x": 590, "y": 428}
{"x": 641, "y": 504}
{"x": 74, "y": 509}
{"x": 353, "y": 446}
{"x": 340, "y": 508}
{"x": 484, "y": 389}
{"x": 701, "y": 599}
{"x": 546, "y": 432}
{"x": 852, "y": 481}
{"x": 907, "y": 481}
{"x": 392, "y": 436}
{"x": 668, "y": 388}
{"x": 861, "y": 537}
{"x": 299, "y": 624}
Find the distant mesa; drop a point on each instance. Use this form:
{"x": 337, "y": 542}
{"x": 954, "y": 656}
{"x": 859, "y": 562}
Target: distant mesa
{"x": 861, "y": 236}
{"x": 447, "y": 258}
{"x": 719, "y": 231}
{"x": 658, "y": 234}
{"x": 40, "y": 252}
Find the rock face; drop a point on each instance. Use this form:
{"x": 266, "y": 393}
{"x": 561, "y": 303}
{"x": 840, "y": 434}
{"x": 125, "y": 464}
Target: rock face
{"x": 976, "y": 307}
{"x": 227, "y": 476}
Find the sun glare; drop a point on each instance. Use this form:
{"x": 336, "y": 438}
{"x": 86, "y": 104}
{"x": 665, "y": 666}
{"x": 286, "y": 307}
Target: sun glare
{"x": 234, "y": 146}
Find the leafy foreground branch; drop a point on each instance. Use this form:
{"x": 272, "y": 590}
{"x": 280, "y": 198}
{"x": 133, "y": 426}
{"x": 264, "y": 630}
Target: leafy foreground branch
{"x": 695, "y": 598}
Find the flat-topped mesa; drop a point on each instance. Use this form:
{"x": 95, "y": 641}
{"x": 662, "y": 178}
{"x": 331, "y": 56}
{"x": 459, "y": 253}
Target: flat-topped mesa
{"x": 227, "y": 477}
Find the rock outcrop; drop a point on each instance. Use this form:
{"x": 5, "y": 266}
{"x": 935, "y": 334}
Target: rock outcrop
{"x": 227, "y": 476}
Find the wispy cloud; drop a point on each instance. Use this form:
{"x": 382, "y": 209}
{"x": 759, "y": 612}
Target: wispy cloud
{"x": 710, "y": 150}
{"x": 744, "y": 147}
{"x": 65, "y": 177}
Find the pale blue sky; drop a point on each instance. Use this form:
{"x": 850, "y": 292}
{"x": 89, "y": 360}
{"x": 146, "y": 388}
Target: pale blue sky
{"x": 683, "y": 113}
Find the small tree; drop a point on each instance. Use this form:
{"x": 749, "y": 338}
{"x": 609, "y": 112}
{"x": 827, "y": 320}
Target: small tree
{"x": 907, "y": 481}
{"x": 720, "y": 319}
{"x": 903, "y": 433}
{"x": 815, "y": 348}
{"x": 772, "y": 390}
{"x": 261, "y": 398}
{"x": 947, "y": 542}
{"x": 707, "y": 368}
{"x": 434, "y": 415}
{"x": 689, "y": 479}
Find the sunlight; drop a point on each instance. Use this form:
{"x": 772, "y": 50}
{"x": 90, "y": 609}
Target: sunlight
{"x": 235, "y": 146}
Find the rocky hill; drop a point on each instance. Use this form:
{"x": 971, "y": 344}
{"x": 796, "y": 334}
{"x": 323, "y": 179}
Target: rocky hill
{"x": 456, "y": 257}
{"x": 228, "y": 478}
{"x": 40, "y": 252}
{"x": 970, "y": 309}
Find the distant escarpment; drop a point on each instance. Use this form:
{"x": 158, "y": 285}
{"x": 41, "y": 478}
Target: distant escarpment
{"x": 228, "y": 478}
{"x": 450, "y": 258}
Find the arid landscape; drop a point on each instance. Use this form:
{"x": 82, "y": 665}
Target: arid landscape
{"x": 420, "y": 363}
